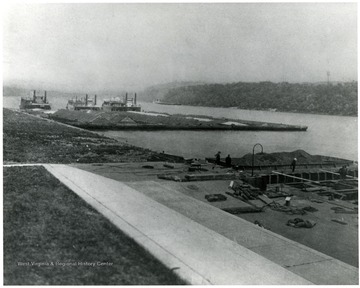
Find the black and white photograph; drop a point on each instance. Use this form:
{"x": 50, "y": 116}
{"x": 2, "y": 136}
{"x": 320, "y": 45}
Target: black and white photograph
{"x": 183, "y": 143}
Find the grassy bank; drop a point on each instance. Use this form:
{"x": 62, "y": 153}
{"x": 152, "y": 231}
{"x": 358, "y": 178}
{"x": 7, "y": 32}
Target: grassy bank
{"x": 30, "y": 139}
{"x": 45, "y": 224}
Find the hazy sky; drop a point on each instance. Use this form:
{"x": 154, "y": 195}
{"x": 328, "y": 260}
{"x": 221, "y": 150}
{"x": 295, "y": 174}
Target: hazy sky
{"x": 130, "y": 46}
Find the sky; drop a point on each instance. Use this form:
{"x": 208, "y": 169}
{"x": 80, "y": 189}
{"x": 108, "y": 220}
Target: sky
{"x": 95, "y": 47}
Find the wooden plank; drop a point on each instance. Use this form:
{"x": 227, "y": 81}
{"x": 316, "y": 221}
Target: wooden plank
{"x": 290, "y": 176}
{"x": 338, "y": 174}
{"x": 265, "y": 199}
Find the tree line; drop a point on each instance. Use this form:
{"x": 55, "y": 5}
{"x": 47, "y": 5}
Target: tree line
{"x": 321, "y": 98}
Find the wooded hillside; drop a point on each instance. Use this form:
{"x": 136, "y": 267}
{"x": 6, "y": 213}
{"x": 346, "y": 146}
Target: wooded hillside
{"x": 333, "y": 99}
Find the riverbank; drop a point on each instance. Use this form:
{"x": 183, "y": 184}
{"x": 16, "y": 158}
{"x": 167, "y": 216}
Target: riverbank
{"x": 30, "y": 139}
{"x": 265, "y": 110}
{"x": 159, "y": 121}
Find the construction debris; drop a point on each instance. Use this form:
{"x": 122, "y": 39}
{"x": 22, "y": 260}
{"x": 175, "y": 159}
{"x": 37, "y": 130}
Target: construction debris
{"x": 214, "y": 176}
{"x": 258, "y": 223}
{"x": 316, "y": 200}
{"x": 301, "y": 223}
{"x": 341, "y": 210}
{"x": 277, "y": 194}
{"x": 170, "y": 177}
{"x": 238, "y": 210}
{"x": 310, "y": 209}
{"x": 244, "y": 191}
{"x": 265, "y": 199}
{"x": 313, "y": 189}
{"x": 215, "y": 197}
{"x": 339, "y": 221}
{"x": 288, "y": 210}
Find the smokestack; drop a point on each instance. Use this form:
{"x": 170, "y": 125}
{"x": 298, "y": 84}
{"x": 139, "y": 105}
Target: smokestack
{"x": 126, "y": 99}
{"x": 45, "y": 97}
{"x": 135, "y": 99}
{"x": 86, "y": 99}
{"x": 95, "y": 100}
{"x": 34, "y": 96}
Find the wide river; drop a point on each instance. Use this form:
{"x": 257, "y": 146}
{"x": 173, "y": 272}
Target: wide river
{"x": 326, "y": 135}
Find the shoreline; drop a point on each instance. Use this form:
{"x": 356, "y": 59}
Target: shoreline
{"x": 277, "y": 111}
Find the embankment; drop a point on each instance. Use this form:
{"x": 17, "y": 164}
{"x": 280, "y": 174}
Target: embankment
{"x": 31, "y": 139}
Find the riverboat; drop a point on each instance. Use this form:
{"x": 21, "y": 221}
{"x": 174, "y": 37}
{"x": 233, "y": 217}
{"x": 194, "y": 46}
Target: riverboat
{"x": 35, "y": 102}
{"x": 116, "y": 104}
{"x": 82, "y": 104}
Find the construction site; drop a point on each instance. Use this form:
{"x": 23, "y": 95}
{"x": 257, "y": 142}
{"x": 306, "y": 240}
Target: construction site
{"x": 311, "y": 205}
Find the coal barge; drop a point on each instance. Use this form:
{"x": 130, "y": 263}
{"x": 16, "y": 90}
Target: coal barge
{"x": 134, "y": 120}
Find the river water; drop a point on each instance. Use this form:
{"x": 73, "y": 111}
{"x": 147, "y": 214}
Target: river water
{"x": 326, "y": 135}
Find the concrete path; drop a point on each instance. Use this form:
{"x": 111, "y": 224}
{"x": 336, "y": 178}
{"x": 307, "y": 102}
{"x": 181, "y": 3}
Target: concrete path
{"x": 196, "y": 253}
{"x": 22, "y": 165}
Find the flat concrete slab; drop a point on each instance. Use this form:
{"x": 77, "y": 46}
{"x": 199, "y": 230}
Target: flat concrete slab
{"x": 328, "y": 271}
{"x": 334, "y": 239}
{"x": 201, "y": 255}
{"x": 330, "y": 238}
{"x": 274, "y": 247}
{"x": 132, "y": 172}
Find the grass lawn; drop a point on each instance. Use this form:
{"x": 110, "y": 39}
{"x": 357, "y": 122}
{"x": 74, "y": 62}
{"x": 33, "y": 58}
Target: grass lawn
{"x": 29, "y": 139}
{"x": 52, "y": 237}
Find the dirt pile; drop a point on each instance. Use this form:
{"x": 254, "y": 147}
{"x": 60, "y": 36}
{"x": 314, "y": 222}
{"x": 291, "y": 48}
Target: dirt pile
{"x": 284, "y": 158}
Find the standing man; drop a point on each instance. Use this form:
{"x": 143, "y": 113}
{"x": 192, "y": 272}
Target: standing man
{"x": 228, "y": 161}
{"x": 293, "y": 164}
{"x": 343, "y": 172}
{"x": 217, "y": 158}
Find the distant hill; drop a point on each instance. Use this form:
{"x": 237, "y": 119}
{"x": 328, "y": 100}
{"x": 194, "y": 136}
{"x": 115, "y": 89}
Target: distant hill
{"x": 159, "y": 91}
{"x": 15, "y": 91}
{"x": 332, "y": 99}
{"x": 9, "y": 90}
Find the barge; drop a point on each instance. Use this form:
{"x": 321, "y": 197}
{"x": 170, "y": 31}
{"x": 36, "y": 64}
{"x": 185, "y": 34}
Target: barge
{"x": 158, "y": 101}
{"x": 120, "y": 120}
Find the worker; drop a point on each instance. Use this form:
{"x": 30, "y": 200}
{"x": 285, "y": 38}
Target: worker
{"x": 343, "y": 172}
{"x": 293, "y": 164}
{"x": 228, "y": 161}
{"x": 217, "y": 158}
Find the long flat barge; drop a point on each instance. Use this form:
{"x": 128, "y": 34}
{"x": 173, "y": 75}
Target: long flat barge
{"x": 120, "y": 120}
